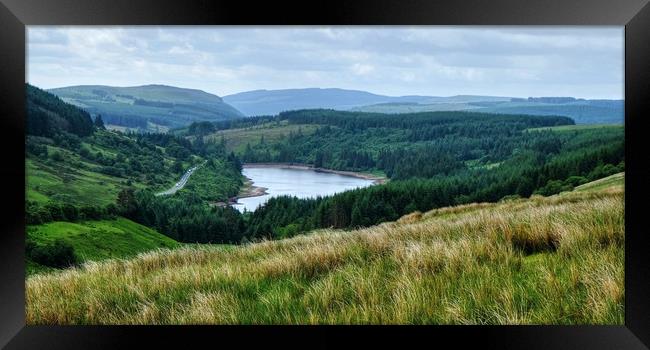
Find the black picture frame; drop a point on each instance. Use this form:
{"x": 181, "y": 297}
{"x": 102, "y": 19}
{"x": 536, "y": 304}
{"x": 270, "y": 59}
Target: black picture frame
{"x": 16, "y": 14}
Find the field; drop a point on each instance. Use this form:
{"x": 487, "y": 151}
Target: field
{"x": 236, "y": 139}
{"x": 99, "y": 240}
{"x": 543, "y": 260}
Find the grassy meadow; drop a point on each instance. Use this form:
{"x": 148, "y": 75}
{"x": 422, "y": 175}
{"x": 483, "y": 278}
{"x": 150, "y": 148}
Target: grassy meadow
{"x": 237, "y": 139}
{"x": 543, "y": 260}
{"x": 98, "y": 239}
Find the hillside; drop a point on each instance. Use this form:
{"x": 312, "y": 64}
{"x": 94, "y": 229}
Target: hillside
{"x": 70, "y": 160}
{"x": 148, "y": 107}
{"x": 77, "y": 171}
{"x": 272, "y": 102}
{"x": 582, "y": 111}
{"x": 237, "y": 139}
{"x": 98, "y": 240}
{"x": 543, "y": 260}
{"x": 92, "y": 170}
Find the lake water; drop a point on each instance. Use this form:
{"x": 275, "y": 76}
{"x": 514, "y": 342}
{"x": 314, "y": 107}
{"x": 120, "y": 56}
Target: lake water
{"x": 302, "y": 183}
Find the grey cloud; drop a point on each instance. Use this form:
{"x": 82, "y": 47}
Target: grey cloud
{"x": 430, "y": 60}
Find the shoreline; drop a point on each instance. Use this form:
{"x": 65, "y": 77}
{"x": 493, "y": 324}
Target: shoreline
{"x": 250, "y": 190}
{"x": 377, "y": 180}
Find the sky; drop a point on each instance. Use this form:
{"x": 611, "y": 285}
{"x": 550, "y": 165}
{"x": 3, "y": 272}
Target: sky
{"x": 584, "y": 62}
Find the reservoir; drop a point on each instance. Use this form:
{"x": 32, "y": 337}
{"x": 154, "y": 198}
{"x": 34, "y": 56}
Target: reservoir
{"x": 301, "y": 183}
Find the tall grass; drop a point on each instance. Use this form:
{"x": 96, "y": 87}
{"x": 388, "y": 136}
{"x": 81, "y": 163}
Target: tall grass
{"x": 555, "y": 260}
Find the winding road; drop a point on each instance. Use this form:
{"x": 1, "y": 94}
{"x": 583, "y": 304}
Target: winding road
{"x": 181, "y": 183}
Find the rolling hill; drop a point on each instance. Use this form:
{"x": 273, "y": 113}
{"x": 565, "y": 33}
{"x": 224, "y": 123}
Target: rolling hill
{"x": 271, "y": 102}
{"x": 542, "y": 260}
{"x": 148, "y": 107}
{"x": 582, "y": 111}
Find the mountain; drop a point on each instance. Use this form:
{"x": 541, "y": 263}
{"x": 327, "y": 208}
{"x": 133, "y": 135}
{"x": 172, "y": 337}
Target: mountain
{"x": 148, "y": 107}
{"x": 271, "y": 102}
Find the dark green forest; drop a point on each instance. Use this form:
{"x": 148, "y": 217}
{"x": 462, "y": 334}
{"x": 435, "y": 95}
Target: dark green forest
{"x": 412, "y": 145}
{"x": 533, "y": 169}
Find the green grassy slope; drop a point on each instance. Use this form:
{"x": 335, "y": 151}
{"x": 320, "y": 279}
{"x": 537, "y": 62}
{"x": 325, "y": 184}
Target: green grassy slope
{"x": 616, "y": 181}
{"x": 82, "y": 181}
{"x": 98, "y": 240}
{"x": 544, "y": 260}
{"x": 81, "y": 186}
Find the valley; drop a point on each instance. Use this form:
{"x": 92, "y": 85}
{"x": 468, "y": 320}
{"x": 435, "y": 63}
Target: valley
{"x": 360, "y": 217}
{"x": 328, "y": 175}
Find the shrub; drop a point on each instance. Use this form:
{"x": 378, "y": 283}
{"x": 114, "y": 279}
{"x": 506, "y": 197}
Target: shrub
{"x": 604, "y": 171}
{"x": 59, "y": 254}
{"x": 576, "y": 180}
{"x": 36, "y": 149}
{"x": 55, "y": 211}
{"x": 56, "y": 156}
{"x": 90, "y": 212}
{"x": 85, "y": 152}
{"x": 554, "y": 187}
{"x": 70, "y": 212}
{"x": 111, "y": 170}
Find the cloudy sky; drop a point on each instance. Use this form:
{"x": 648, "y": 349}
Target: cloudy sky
{"x": 439, "y": 61}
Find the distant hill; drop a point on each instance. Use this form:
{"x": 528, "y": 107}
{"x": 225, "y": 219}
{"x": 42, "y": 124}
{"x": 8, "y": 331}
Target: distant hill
{"x": 148, "y": 107}
{"x": 580, "y": 110}
{"x": 270, "y": 102}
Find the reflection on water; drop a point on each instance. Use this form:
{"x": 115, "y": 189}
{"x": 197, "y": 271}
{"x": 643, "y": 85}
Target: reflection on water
{"x": 296, "y": 182}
